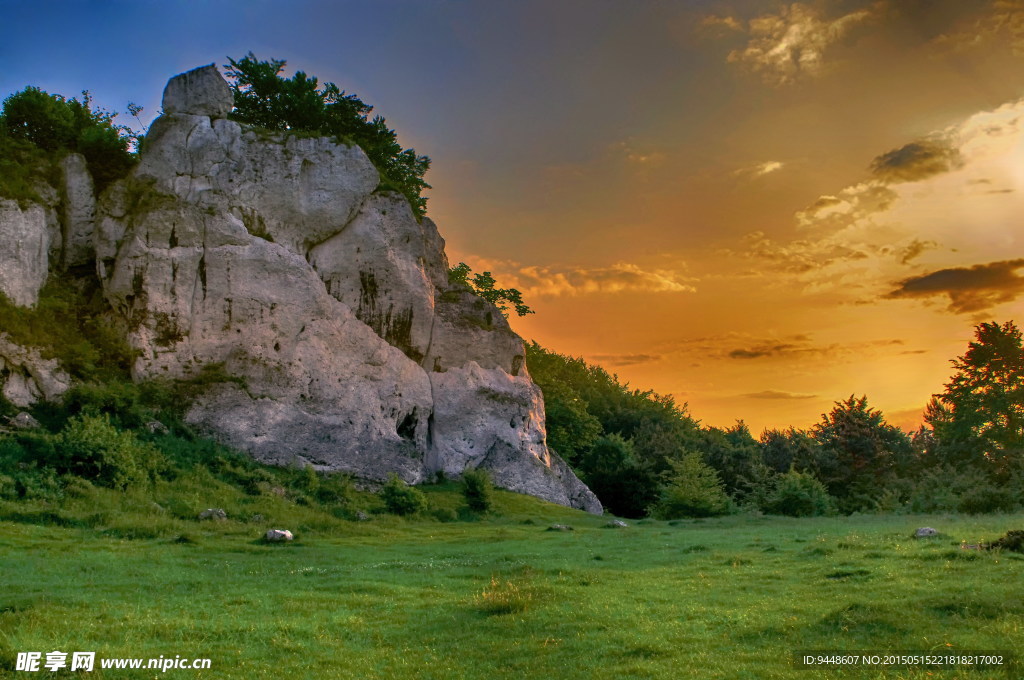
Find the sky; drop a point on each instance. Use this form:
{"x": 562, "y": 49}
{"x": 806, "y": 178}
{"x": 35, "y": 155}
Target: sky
{"x": 759, "y": 208}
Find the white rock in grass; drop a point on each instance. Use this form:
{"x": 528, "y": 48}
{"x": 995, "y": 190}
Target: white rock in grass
{"x": 278, "y": 535}
{"x": 213, "y": 513}
{"x": 925, "y": 532}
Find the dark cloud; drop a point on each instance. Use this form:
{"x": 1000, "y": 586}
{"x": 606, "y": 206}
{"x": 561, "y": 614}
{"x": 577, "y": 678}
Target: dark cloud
{"x": 916, "y": 161}
{"x": 915, "y": 248}
{"x": 625, "y": 359}
{"x": 970, "y": 289}
{"x": 763, "y": 351}
{"x": 776, "y": 394}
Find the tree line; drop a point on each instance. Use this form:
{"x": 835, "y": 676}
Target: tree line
{"x": 643, "y": 454}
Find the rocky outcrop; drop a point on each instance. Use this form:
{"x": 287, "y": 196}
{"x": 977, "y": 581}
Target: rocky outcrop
{"x": 28, "y": 233}
{"x": 78, "y": 212}
{"x": 26, "y": 377}
{"x": 327, "y": 301}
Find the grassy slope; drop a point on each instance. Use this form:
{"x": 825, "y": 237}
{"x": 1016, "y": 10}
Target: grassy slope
{"x": 499, "y": 597}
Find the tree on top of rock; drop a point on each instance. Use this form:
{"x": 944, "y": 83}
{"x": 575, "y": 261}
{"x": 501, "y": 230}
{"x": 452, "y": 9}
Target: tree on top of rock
{"x": 266, "y": 99}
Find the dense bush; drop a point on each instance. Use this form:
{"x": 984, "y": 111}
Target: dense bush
{"x": 477, "y": 489}
{"x": 400, "y": 498}
{"x": 266, "y": 99}
{"x": 91, "y": 447}
{"x": 692, "y": 489}
{"x": 797, "y": 494}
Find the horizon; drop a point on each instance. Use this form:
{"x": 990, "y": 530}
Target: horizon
{"x": 759, "y": 209}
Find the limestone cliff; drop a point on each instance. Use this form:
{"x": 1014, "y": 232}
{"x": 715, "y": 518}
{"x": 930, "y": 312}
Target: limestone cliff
{"x": 276, "y": 256}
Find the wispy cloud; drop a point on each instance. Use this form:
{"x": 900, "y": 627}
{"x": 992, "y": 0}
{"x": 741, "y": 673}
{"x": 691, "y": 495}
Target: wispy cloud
{"x": 744, "y": 347}
{"x": 1000, "y": 21}
{"x": 759, "y": 169}
{"x": 849, "y": 205}
{"x": 776, "y": 394}
{"x": 620, "y": 277}
{"x": 969, "y": 289}
{"x": 789, "y": 45}
{"x": 625, "y": 359}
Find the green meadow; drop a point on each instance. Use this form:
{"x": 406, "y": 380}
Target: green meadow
{"x": 498, "y": 595}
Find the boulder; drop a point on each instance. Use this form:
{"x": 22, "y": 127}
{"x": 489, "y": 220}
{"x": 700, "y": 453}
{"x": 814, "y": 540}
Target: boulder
{"x": 26, "y": 378}
{"x": 559, "y": 527}
{"x": 24, "y": 421}
{"x": 200, "y": 92}
{"x": 616, "y": 524}
{"x": 217, "y": 514}
{"x": 278, "y": 535}
{"x": 925, "y": 532}
{"x": 156, "y": 427}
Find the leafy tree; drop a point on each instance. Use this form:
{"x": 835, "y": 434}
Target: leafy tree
{"x": 485, "y": 286}
{"x": 792, "y": 448}
{"x": 858, "y": 449}
{"x": 266, "y": 99}
{"x": 622, "y": 483}
{"x": 980, "y": 416}
{"x": 572, "y": 431}
{"x": 736, "y": 456}
{"x": 691, "y": 489}
{"x": 54, "y": 123}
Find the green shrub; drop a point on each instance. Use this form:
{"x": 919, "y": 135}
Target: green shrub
{"x": 477, "y": 489}
{"x": 400, "y": 498}
{"x": 798, "y": 494}
{"x": 987, "y": 498}
{"x": 943, "y": 488}
{"x": 336, "y": 489}
{"x": 91, "y": 447}
{"x": 692, "y": 489}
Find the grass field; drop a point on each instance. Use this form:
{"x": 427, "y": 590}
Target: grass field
{"x": 502, "y": 597}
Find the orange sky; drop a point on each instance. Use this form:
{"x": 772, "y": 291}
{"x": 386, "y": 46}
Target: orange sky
{"x": 835, "y": 223}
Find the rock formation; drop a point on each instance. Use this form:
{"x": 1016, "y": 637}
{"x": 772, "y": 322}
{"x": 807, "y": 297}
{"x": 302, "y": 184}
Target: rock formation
{"x": 275, "y": 256}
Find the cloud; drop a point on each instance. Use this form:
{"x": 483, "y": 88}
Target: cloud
{"x": 1000, "y": 22}
{"x": 760, "y": 169}
{"x": 916, "y": 161}
{"x": 797, "y": 257}
{"x": 625, "y": 359}
{"x": 722, "y": 24}
{"x": 776, "y": 394}
{"x": 635, "y": 157}
{"x": 621, "y": 277}
{"x": 970, "y": 289}
{"x": 853, "y": 203}
{"x": 761, "y": 351}
{"x": 791, "y": 44}
{"x": 914, "y": 249}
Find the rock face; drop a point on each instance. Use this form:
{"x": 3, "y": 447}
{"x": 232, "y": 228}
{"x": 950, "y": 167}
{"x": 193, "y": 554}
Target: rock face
{"x": 27, "y": 235}
{"x": 274, "y": 257}
{"x": 26, "y": 377}
{"x": 79, "y": 212}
